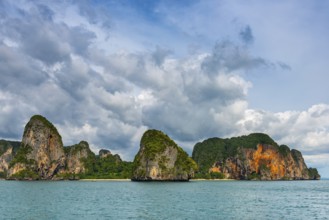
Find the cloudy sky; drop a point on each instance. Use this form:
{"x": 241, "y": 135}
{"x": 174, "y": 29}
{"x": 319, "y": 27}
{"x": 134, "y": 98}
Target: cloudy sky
{"x": 106, "y": 71}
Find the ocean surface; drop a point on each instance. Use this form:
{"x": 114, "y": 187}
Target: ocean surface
{"x": 168, "y": 200}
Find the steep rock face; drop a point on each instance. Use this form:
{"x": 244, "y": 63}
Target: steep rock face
{"x": 7, "y": 151}
{"x": 264, "y": 163}
{"x": 267, "y": 161}
{"x": 41, "y": 155}
{"x": 160, "y": 159}
{"x": 74, "y": 155}
{"x": 5, "y": 159}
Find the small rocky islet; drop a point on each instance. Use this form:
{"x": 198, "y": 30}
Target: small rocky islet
{"x": 41, "y": 155}
{"x": 161, "y": 159}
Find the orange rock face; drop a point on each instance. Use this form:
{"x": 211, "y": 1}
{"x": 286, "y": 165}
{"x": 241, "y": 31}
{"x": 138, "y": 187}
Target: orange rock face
{"x": 265, "y": 163}
{"x": 268, "y": 158}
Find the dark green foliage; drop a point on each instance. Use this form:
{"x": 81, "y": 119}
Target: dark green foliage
{"x": 207, "y": 152}
{"x": 25, "y": 175}
{"x": 211, "y": 150}
{"x": 184, "y": 162}
{"x": 254, "y": 176}
{"x": 20, "y": 156}
{"x": 155, "y": 142}
{"x": 45, "y": 122}
{"x": 110, "y": 167}
{"x": 200, "y": 175}
{"x": 296, "y": 155}
{"x": 313, "y": 173}
{"x": 83, "y": 145}
{"x": 250, "y": 141}
{"x": 284, "y": 150}
{"x": 216, "y": 175}
{"x": 162, "y": 162}
{"x": 3, "y": 175}
{"x": 16, "y": 145}
{"x": 5, "y": 145}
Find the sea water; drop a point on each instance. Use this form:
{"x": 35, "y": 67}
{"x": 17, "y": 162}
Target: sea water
{"x": 164, "y": 200}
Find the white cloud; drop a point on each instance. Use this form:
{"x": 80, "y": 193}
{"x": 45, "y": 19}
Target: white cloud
{"x": 306, "y": 130}
{"x": 100, "y": 77}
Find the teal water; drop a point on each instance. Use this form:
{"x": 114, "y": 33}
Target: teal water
{"x": 169, "y": 200}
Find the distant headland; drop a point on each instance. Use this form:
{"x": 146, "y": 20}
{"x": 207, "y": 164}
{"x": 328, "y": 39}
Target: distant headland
{"x": 41, "y": 155}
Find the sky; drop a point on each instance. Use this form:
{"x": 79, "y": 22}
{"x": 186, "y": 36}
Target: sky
{"x": 106, "y": 71}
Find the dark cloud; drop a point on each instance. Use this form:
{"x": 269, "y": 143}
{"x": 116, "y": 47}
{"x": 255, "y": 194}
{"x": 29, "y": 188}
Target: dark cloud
{"x": 41, "y": 38}
{"x": 73, "y": 79}
{"x": 227, "y": 56}
{"x": 15, "y": 111}
{"x": 80, "y": 39}
{"x": 221, "y": 90}
{"x": 246, "y": 35}
{"x": 159, "y": 55}
{"x": 182, "y": 122}
{"x": 193, "y": 104}
{"x": 38, "y": 39}
{"x": 17, "y": 69}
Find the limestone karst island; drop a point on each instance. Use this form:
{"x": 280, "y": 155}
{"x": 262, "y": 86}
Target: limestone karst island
{"x": 41, "y": 155}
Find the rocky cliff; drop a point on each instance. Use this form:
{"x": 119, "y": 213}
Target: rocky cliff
{"x": 41, "y": 155}
{"x": 255, "y": 156}
{"x": 74, "y": 157}
{"x": 7, "y": 151}
{"x": 160, "y": 159}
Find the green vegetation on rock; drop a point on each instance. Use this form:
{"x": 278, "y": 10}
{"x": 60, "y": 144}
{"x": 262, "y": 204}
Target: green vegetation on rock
{"x": 313, "y": 173}
{"x": 96, "y": 166}
{"x": 161, "y": 159}
{"x": 284, "y": 150}
{"x": 5, "y": 145}
{"x": 21, "y": 156}
{"x": 254, "y": 176}
{"x": 83, "y": 145}
{"x": 25, "y": 175}
{"x": 185, "y": 162}
{"x": 109, "y": 167}
{"x": 155, "y": 142}
{"x": 218, "y": 149}
{"x": 216, "y": 175}
{"x": 3, "y": 175}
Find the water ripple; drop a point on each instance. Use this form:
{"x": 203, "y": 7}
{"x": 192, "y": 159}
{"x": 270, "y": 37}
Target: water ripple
{"x": 193, "y": 200}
